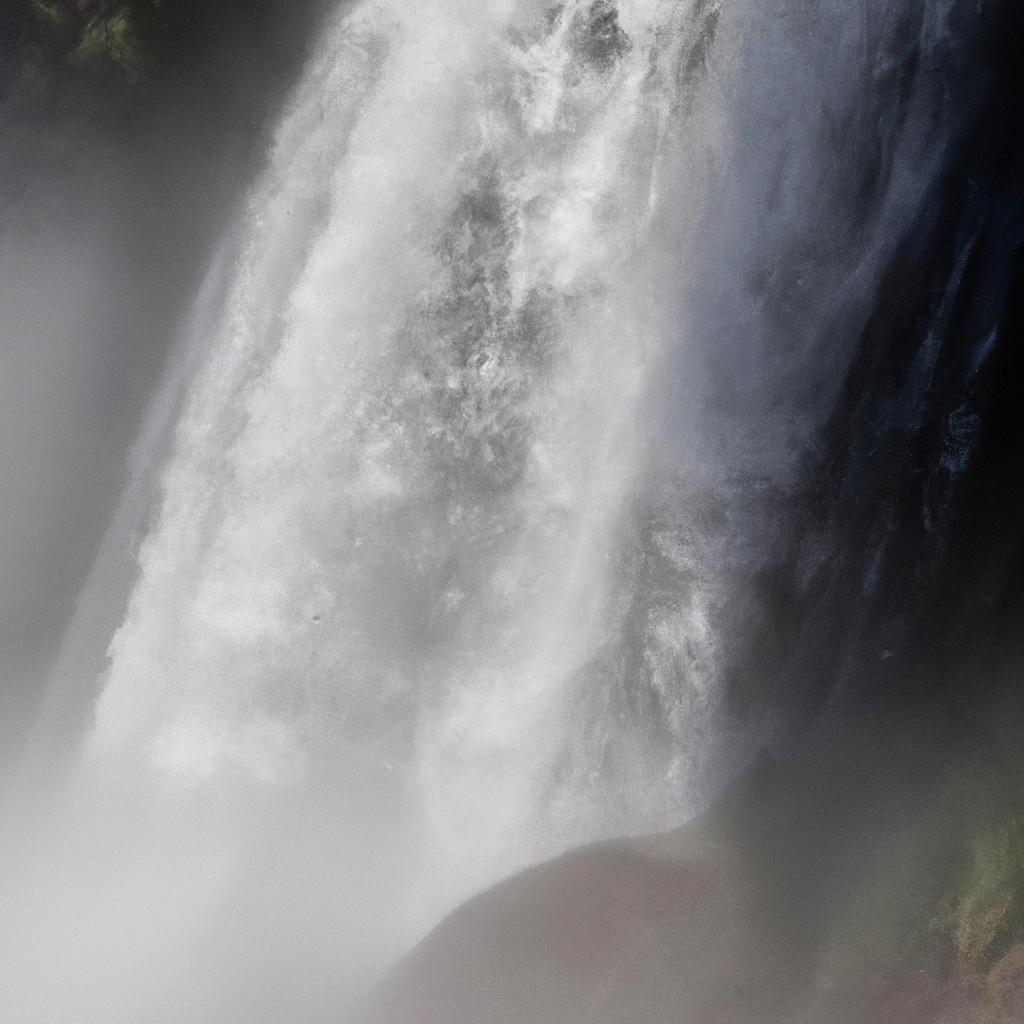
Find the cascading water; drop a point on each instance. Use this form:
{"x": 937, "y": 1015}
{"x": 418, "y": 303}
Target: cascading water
{"x": 535, "y": 308}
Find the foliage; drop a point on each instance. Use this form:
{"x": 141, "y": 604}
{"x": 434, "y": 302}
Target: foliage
{"x": 61, "y": 13}
{"x": 113, "y": 38}
{"x": 987, "y": 914}
{"x": 107, "y": 32}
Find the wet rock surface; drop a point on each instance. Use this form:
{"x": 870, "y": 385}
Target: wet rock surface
{"x": 687, "y": 926}
{"x": 598, "y": 37}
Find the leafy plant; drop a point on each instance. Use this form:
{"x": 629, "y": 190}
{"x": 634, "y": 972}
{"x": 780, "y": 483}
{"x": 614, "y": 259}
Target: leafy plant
{"x": 113, "y": 37}
{"x": 988, "y": 915}
{"x": 121, "y": 34}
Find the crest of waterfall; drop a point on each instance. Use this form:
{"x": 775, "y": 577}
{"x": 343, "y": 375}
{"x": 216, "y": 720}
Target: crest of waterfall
{"x": 534, "y": 309}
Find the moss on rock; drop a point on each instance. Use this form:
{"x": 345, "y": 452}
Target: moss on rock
{"x": 114, "y": 37}
{"x": 988, "y": 914}
{"x": 126, "y": 34}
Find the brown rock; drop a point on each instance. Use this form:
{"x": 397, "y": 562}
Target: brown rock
{"x": 1004, "y": 989}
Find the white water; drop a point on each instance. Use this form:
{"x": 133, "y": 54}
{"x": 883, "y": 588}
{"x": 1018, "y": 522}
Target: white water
{"x": 437, "y": 580}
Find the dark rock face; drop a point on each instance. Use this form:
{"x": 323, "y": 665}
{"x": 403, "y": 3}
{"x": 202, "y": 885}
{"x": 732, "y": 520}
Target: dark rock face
{"x": 905, "y": 561}
{"x": 599, "y": 39}
{"x": 912, "y": 997}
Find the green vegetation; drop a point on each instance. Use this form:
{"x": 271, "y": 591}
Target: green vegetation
{"x": 988, "y": 915}
{"x": 113, "y": 38}
{"x": 122, "y": 33}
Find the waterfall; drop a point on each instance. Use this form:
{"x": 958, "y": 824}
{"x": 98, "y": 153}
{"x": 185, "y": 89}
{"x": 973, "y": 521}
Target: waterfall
{"x": 393, "y": 534}
{"x": 534, "y": 309}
